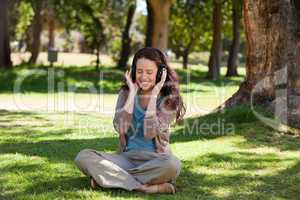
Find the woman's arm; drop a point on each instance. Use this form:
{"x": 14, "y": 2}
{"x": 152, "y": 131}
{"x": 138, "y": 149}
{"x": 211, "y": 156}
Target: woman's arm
{"x": 124, "y": 107}
{"x": 157, "y": 121}
{"x": 123, "y": 111}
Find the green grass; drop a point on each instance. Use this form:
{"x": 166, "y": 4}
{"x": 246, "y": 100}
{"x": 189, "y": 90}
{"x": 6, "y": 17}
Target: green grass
{"x": 84, "y": 84}
{"x": 252, "y": 162}
{"x": 229, "y": 155}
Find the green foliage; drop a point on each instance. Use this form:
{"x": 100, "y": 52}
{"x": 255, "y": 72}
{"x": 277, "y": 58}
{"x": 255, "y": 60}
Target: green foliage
{"x": 100, "y": 22}
{"x": 26, "y": 15}
{"x": 141, "y": 25}
{"x": 190, "y": 26}
{"x": 115, "y": 48}
{"x": 118, "y": 19}
{"x": 227, "y": 22}
{"x": 82, "y": 16}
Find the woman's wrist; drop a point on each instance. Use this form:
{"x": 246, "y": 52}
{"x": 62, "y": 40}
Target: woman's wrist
{"x": 129, "y": 103}
{"x": 122, "y": 135}
{"x": 155, "y": 92}
{"x": 151, "y": 109}
{"x": 132, "y": 93}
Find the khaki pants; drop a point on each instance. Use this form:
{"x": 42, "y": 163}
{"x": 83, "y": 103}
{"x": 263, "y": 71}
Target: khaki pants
{"x": 128, "y": 170}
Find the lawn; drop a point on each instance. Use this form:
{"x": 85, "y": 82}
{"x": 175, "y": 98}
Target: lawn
{"x": 228, "y": 155}
{"x": 82, "y": 89}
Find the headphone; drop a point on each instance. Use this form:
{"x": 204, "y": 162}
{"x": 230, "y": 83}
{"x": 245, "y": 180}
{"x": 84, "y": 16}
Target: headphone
{"x": 160, "y": 66}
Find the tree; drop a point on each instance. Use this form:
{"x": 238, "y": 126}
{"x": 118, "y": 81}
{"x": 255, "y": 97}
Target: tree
{"x": 86, "y": 17}
{"x": 126, "y": 40}
{"x": 234, "y": 49}
{"x": 187, "y": 30}
{"x": 100, "y": 22}
{"x": 161, "y": 10}
{"x": 273, "y": 49}
{"x": 51, "y": 21}
{"x": 149, "y": 27}
{"x": 216, "y": 48}
{"x": 36, "y": 29}
{"x": 5, "y": 60}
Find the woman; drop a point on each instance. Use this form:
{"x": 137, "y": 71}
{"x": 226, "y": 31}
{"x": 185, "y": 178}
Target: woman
{"x": 147, "y": 104}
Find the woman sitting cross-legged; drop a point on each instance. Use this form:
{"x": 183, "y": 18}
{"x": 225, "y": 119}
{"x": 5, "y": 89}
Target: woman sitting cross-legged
{"x": 148, "y": 102}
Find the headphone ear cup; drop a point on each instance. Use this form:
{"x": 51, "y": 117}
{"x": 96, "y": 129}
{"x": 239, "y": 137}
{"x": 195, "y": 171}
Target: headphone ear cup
{"x": 159, "y": 72}
{"x": 133, "y": 74}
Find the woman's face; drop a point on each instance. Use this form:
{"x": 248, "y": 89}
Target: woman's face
{"x": 146, "y": 71}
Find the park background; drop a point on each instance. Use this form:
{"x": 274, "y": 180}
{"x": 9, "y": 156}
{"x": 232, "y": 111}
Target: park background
{"x": 236, "y": 142}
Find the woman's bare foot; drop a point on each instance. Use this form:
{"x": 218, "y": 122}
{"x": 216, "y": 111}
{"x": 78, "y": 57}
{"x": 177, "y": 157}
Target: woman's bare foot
{"x": 166, "y": 188}
{"x": 93, "y": 183}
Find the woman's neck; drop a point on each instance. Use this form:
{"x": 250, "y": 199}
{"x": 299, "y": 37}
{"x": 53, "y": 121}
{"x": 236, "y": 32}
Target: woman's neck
{"x": 145, "y": 93}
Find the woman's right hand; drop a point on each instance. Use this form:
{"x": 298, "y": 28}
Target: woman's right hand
{"x": 133, "y": 87}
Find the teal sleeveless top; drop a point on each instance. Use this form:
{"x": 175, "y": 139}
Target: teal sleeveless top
{"x": 135, "y": 135}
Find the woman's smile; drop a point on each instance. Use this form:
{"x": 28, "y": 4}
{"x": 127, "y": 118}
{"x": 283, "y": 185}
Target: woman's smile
{"x": 146, "y": 71}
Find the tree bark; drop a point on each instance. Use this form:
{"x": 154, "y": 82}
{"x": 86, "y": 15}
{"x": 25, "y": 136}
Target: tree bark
{"x": 272, "y": 65}
{"x": 149, "y": 28}
{"x": 186, "y": 52}
{"x": 161, "y": 10}
{"x": 5, "y": 60}
{"x": 216, "y": 48}
{"x": 234, "y": 49}
{"x": 51, "y": 30}
{"x": 98, "y": 58}
{"x": 185, "y": 59}
{"x": 36, "y": 32}
{"x": 126, "y": 40}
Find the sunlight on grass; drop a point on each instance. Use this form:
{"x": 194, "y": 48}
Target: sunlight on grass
{"x": 37, "y": 152}
{"x": 83, "y": 90}
{"x": 228, "y": 155}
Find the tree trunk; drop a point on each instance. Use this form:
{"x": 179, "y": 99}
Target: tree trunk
{"x": 5, "y": 60}
{"x": 296, "y": 5}
{"x": 185, "y": 59}
{"x": 51, "y": 30}
{"x": 36, "y": 32}
{"x": 234, "y": 49}
{"x": 272, "y": 65}
{"x": 126, "y": 40}
{"x": 149, "y": 28}
{"x": 186, "y": 53}
{"x": 216, "y": 48}
{"x": 161, "y": 10}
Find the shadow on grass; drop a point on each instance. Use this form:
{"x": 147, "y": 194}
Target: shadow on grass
{"x": 58, "y": 150}
{"x": 236, "y": 121}
{"x": 237, "y": 176}
{"x": 238, "y": 179}
{"x": 234, "y": 175}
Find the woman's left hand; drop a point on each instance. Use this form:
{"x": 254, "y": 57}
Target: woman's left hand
{"x": 122, "y": 143}
{"x": 160, "y": 84}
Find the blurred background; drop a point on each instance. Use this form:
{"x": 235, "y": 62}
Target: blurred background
{"x": 203, "y": 40}
{"x": 116, "y": 29}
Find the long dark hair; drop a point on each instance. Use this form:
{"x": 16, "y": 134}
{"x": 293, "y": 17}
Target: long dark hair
{"x": 170, "y": 89}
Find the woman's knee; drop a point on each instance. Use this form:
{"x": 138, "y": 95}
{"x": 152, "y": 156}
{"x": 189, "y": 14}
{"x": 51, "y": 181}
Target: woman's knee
{"x": 172, "y": 166}
{"x": 82, "y": 158}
